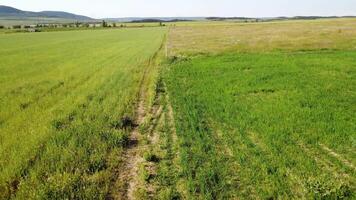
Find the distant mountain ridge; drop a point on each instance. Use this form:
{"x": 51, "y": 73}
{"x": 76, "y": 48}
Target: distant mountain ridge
{"x": 154, "y": 19}
{"x": 276, "y": 18}
{"x": 7, "y": 11}
{"x": 20, "y": 16}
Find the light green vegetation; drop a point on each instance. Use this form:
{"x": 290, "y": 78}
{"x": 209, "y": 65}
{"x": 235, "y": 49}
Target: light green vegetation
{"x": 63, "y": 95}
{"x": 271, "y": 116}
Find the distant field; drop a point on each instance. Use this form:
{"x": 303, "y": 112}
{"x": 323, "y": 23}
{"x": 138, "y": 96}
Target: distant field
{"x": 30, "y": 21}
{"x": 62, "y": 97}
{"x": 9, "y": 23}
{"x": 256, "y": 37}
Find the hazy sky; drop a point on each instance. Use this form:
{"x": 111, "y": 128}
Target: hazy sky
{"x": 180, "y": 8}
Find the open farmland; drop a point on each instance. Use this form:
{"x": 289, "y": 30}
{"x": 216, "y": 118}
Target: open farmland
{"x": 263, "y": 111}
{"x": 63, "y": 95}
{"x": 29, "y": 21}
{"x": 198, "y": 110}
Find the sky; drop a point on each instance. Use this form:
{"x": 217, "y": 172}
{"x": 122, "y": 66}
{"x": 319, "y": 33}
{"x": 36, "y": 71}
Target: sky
{"x": 190, "y": 8}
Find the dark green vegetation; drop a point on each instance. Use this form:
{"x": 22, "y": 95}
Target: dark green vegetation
{"x": 63, "y": 98}
{"x": 266, "y": 125}
{"x": 264, "y": 110}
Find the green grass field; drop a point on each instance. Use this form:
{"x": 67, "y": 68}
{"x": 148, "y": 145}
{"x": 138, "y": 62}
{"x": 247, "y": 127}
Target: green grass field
{"x": 258, "y": 125}
{"x": 223, "y": 110}
{"x": 62, "y": 96}
{"x": 263, "y": 111}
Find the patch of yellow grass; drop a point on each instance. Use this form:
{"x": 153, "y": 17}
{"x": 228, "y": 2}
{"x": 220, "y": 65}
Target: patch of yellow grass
{"x": 215, "y": 37}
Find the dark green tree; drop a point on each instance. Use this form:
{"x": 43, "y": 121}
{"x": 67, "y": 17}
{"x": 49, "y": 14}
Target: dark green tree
{"x": 104, "y": 23}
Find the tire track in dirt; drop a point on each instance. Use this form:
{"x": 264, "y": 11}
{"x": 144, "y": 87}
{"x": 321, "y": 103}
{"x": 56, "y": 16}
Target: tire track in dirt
{"x": 337, "y": 156}
{"x": 159, "y": 114}
{"x": 133, "y": 158}
{"x": 324, "y": 163}
{"x": 128, "y": 183}
{"x": 297, "y": 187}
{"x": 163, "y": 145}
{"x": 128, "y": 180}
{"x": 153, "y": 139}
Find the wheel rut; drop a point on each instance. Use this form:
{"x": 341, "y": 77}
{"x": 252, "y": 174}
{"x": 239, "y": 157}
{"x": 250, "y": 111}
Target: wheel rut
{"x": 128, "y": 184}
{"x": 128, "y": 181}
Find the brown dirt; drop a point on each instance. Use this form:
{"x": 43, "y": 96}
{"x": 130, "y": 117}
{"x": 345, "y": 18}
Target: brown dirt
{"x": 128, "y": 181}
{"x": 153, "y": 139}
{"x": 128, "y": 184}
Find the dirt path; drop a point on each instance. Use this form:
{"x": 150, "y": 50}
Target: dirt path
{"x": 132, "y": 156}
{"x": 128, "y": 180}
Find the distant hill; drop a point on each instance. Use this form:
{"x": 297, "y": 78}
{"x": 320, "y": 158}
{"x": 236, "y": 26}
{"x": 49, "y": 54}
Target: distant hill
{"x": 9, "y": 10}
{"x": 276, "y": 18}
{"x": 13, "y": 13}
{"x": 65, "y": 15}
{"x": 155, "y": 19}
{"x": 159, "y": 20}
